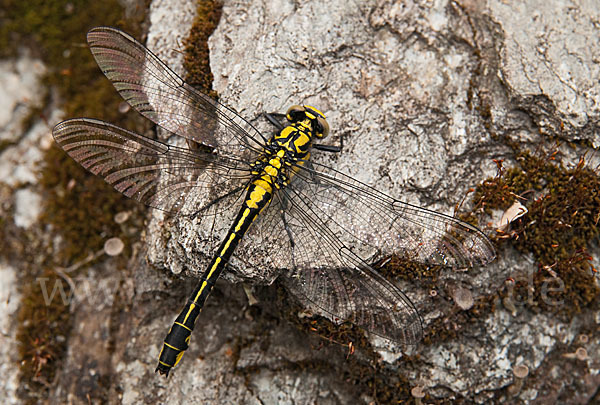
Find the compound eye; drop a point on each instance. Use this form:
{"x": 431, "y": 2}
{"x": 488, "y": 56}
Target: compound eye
{"x": 322, "y": 127}
{"x": 295, "y": 113}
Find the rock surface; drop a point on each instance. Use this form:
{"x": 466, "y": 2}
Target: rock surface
{"x": 8, "y": 353}
{"x": 21, "y": 91}
{"x": 396, "y": 82}
{"x": 414, "y": 91}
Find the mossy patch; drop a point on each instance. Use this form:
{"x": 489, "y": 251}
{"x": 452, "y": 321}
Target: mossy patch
{"x": 80, "y": 207}
{"x": 361, "y": 373}
{"x": 196, "y": 59}
{"x": 562, "y": 223}
{"x": 452, "y": 323}
{"x": 345, "y": 335}
{"x": 398, "y": 268}
{"x": 44, "y": 329}
{"x": 77, "y": 206}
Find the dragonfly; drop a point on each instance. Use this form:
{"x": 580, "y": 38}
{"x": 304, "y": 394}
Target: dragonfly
{"x": 319, "y": 227}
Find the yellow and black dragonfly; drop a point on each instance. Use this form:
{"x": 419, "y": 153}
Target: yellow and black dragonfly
{"x": 315, "y": 224}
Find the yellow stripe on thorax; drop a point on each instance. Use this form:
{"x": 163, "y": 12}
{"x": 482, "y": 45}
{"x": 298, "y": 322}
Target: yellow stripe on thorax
{"x": 302, "y": 140}
{"x": 285, "y": 132}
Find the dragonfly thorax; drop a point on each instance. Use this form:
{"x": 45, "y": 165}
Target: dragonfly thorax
{"x": 287, "y": 150}
{"x": 290, "y": 148}
{"x": 305, "y": 124}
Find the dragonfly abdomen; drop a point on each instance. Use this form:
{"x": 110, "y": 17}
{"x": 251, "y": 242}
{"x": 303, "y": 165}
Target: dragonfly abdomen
{"x": 258, "y": 196}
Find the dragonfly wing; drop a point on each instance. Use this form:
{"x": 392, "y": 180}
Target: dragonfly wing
{"x": 370, "y": 223}
{"x": 358, "y": 294}
{"x": 159, "y": 175}
{"x": 323, "y": 271}
{"x": 375, "y": 225}
{"x": 159, "y": 94}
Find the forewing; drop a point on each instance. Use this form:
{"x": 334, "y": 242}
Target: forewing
{"x": 375, "y": 225}
{"x": 172, "y": 179}
{"x": 159, "y": 94}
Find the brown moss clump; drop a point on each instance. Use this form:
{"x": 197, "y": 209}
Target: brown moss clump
{"x": 398, "y": 268}
{"x": 345, "y": 346}
{"x": 451, "y": 325}
{"x": 562, "y": 222}
{"x": 345, "y": 335}
{"x": 196, "y": 59}
{"x": 45, "y": 325}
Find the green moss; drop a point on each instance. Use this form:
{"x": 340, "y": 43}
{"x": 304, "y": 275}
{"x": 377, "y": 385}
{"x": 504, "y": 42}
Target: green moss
{"x": 55, "y": 31}
{"x": 196, "y": 57}
{"x": 562, "y": 223}
{"x": 77, "y": 205}
{"x": 50, "y": 27}
{"x": 80, "y": 207}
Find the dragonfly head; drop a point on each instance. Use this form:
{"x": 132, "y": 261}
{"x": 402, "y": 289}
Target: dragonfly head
{"x": 316, "y": 118}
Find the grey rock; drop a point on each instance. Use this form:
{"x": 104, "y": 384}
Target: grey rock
{"x": 21, "y": 152}
{"x": 8, "y": 345}
{"x": 396, "y": 81}
{"x": 549, "y": 59}
{"x": 28, "y": 205}
{"x": 19, "y": 81}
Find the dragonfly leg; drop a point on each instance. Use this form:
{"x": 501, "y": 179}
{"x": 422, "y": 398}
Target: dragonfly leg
{"x": 328, "y": 148}
{"x": 288, "y": 230}
{"x": 275, "y": 119}
{"x": 287, "y": 227}
{"x": 216, "y": 201}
